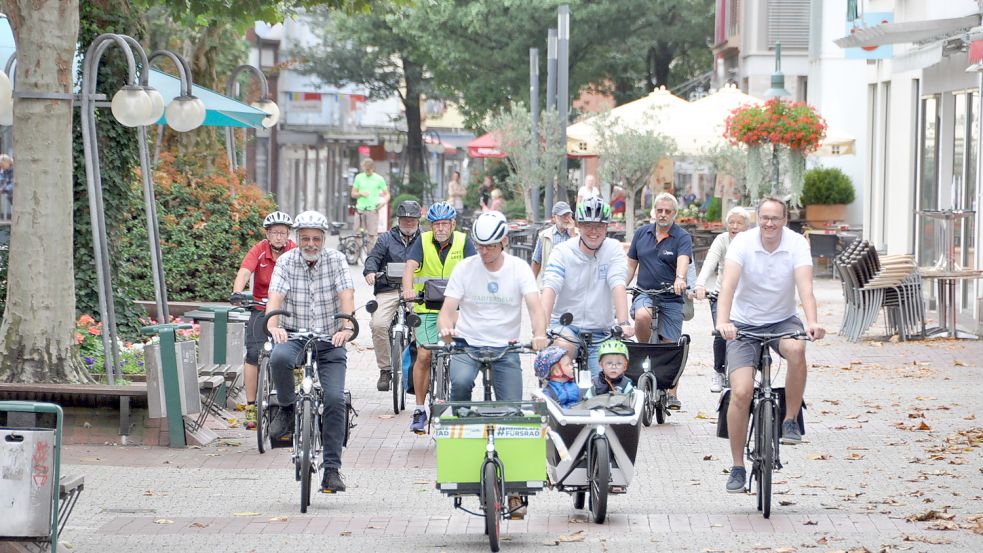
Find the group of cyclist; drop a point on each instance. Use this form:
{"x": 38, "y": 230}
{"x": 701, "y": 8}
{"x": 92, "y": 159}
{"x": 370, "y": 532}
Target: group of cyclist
{"x": 581, "y": 271}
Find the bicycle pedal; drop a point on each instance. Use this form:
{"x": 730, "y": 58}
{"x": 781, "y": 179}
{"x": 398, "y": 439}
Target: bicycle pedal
{"x": 286, "y": 441}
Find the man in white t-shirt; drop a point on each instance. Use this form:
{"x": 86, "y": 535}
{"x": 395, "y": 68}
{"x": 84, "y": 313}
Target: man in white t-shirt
{"x": 764, "y": 268}
{"x": 489, "y": 289}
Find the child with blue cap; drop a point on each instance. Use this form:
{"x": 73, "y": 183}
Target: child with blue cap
{"x": 555, "y": 366}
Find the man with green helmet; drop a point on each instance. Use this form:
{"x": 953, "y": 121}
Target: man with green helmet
{"x": 586, "y": 277}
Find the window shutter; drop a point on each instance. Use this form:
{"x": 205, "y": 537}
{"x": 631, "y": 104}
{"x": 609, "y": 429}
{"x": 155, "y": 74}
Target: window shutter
{"x": 788, "y": 22}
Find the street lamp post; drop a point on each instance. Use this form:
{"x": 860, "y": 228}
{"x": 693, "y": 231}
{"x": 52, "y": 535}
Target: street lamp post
{"x": 434, "y": 145}
{"x": 551, "y": 62}
{"x": 265, "y": 104}
{"x": 777, "y": 90}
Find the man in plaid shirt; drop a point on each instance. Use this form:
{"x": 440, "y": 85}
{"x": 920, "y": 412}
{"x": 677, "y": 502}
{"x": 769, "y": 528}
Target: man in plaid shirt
{"x": 312, "y": 283}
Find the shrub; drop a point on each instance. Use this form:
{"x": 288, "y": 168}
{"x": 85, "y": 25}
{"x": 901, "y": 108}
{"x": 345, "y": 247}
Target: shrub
{"x": 826, "y": 185}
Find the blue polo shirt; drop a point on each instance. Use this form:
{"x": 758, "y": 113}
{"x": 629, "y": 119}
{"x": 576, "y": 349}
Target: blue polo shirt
{"x": 657, "y": 260}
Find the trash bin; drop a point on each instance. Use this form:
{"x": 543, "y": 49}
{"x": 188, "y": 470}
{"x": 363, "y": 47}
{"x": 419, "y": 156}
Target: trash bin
{"x": 29, "y": 466}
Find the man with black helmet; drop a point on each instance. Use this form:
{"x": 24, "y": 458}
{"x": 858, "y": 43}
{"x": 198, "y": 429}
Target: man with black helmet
{"x": 259, "y": 262}
{"x": 391, "y": 247}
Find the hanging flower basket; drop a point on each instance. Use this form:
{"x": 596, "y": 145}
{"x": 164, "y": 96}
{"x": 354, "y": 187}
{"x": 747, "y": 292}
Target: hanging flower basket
{"x": 796, "y": 126}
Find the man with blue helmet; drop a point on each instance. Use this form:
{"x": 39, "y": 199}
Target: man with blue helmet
{"x": 432, "y": 256}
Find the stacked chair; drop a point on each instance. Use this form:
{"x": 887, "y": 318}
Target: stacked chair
{"x": 872, "y": 282}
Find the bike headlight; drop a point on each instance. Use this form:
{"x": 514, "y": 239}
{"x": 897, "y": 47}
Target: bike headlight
{"x": 307, "y": 384}
{"x": 601, "y": 429}
{"x": 267, "y": 346}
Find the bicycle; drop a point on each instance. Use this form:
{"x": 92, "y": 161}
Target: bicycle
{"x": 264, "y": 376}
{"x": 766, "y": 407}
{"x": 309, "y": 406}
{"x": 353, "y": 245}
{"x": 648, "y": 380}
{"x": 400, "y": 332}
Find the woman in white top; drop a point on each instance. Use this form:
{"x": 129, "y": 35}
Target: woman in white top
{"x": 456, "y": 192}
{"x": 588, "y": 190}
{"x": 737, "y": 221}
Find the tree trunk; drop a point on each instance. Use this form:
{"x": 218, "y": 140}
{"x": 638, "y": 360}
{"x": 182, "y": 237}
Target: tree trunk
{"x": 413, "y": 75}
{"x": 631, "y": 193}
{"x": 37, "y": 334}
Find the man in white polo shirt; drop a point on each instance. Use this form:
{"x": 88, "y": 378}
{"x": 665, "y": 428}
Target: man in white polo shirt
{"x": 764, "y": 268}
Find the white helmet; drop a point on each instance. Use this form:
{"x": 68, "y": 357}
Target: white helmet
{"x": 489, "y": 228}
{"x": 311, "y": 219}
{"x": 277, "y": 218}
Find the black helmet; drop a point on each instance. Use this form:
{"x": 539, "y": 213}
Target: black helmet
{"x": 409, "y": 208}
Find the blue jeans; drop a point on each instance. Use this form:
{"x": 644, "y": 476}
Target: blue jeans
{"x": 506, "y": 375}
{"x": 331, "y": 364}
{"x": 670, "y": 316}
{"x": 573, "y": 332}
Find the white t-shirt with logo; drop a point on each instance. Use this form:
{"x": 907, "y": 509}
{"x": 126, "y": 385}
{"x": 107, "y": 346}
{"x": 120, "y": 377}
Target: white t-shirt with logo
{"x": 490, "y": 303}
{"x": 766, "y": 291}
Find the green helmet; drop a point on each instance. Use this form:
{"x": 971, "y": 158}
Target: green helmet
{"x": 612, "y": 346}
{"x": 593, "y": 210}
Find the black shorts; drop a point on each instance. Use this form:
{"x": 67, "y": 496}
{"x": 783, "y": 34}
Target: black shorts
{"x": 747, "y": 353}
{"x": 255, "y": 336}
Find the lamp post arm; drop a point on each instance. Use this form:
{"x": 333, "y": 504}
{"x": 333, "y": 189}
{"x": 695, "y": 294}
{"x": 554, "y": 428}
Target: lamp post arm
{"x": 182, "y": 66}
{"x": 264, "y": 87}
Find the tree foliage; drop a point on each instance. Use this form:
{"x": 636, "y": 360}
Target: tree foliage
{"x": 629, "y": 156}
{"x": 530, "y": 164}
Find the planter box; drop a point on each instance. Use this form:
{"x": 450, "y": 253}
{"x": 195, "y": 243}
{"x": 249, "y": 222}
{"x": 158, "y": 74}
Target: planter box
{"x": 833, "y": 213}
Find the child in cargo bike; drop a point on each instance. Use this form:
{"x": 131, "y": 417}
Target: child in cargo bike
{"x": 613, "y": 358}
{"x": 554, "y": 365}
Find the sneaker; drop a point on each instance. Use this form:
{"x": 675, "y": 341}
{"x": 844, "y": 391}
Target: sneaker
{"x": 516, "y": 508}
{"x": 735, "y": 482}
{"x": 384, "y": 378}
{"x": 790, "y": 433}
{"x": 250, "y": 425}
{"x": 716, "y": 382}
{"x": 673, "y": 403}
{"x": 332, "y": 482}
{"x": 419, "y": 423}
{"x": 282, "y": 426}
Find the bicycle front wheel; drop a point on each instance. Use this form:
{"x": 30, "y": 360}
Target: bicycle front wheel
{"x": 263, "y": 404}
{"x": 491, "y": 502}
{"x": 766, "y": 442}
{"x": 600, "y": 478}
{"x": 647, "y": 387}
{"x": 396, "y": 363}
{"x": 306, "y": 453}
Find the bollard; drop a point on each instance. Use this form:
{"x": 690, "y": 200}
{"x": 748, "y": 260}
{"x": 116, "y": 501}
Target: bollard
{"x": 172, "y": 392}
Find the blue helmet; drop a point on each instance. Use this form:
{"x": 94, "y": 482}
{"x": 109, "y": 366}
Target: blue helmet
{"x": 441, "y": 211}
{"x": 546, "y": 358}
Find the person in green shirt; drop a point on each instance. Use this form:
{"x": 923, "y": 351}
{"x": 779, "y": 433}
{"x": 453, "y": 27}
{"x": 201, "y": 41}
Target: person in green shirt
{"x": 371, "y": 194}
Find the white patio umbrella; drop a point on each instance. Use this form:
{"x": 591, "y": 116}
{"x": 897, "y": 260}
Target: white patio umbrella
{"x": 649, "y": 112}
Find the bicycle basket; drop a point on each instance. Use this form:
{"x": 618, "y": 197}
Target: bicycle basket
{"x": 433, "y": 293}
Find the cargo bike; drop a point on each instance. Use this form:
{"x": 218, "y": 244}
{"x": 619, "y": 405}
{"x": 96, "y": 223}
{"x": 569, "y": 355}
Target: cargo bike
{"x": 490, "y": 450}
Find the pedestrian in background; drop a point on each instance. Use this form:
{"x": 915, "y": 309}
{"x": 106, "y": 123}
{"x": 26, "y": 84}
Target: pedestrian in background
{"x": 456, "y": 192}
{"x": 7, "y": 182}
{"x": 370, "y": 192}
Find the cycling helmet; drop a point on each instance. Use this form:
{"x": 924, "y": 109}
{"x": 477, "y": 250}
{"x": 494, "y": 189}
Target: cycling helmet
{"x": 489, "y": 228}
{"x": 409, "y": 208}
{"x": 612, "y": 346}
{"x": 441, "y": 211}
{"x": 593, "y": 210}
{"x": 277, "y": 218}
{"x": 546, "y": 359}
{"x": 311, "y": 219}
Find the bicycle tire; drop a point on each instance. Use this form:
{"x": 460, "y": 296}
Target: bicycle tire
{"x": 262, "y": 404}
{"x": 600, "y": 479}
{"x": 648, "y": 408}
{"x": 491, "y": 493}
{"x": 660, "y": 408}
{"x": 767, "y": 429}
{"x": 396, "y": 358}
{"x": 579, "y": 498}
{"x": 306, "y": 453}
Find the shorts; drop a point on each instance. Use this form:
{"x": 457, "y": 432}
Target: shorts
{"x": 747, "y": 353}
{"x": 427, "y": 333}
{"x": 255, "y": 336}
{"x": 670, "y": 316}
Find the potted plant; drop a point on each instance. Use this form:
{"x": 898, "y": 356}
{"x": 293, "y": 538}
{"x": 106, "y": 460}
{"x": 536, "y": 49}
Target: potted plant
{"x": 826, "y": 191}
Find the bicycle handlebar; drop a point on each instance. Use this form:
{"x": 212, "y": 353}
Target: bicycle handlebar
{"x": 480, "y": 354}
{"x": 246, "y": 301}
{"x": 305, "y": 334}
{"x": 667, "y": 289}
{"x": 769, "y": 337}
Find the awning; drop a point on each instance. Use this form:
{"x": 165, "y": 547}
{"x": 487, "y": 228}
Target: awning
{"x": 906, "y": 31}
{"x": 220, "y": 110}
{"x": 485, "y": 146}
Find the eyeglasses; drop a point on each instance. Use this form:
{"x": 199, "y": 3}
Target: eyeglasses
{"x": 593, "y": 227}
{"x": 311, "y": 239}
{"x": 489, "y": 246}
{"x": 277, "y": 233}
{"x": 613, "y": 364}
{"x": 771, "y": 220}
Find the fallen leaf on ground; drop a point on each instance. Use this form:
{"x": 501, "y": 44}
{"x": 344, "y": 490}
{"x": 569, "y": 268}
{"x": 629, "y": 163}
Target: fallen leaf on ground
{"x": 854, "y": 457}
{"x": 198, "y": 525}
{"x": 931, "y": 514}
{"x": 579, "y": 535}
{"x": 345, "y": 533}
{"x": 810, "y": 523}
{"x": 926, "y": 539}
{"x": 702, "y": 415}
{"x": 387, "y": 416}
{"x": 959, "y": 363}
{"x": 709, "y": 458}
{"x": 785, "y": 502}
{"x": 943, "y": 525}
{"x": 245, "y": 514}
{"x": 819, "y": 457}
{"x": 279, "y": 519}
{"x": 923, "y": 426}
{"x": 163, "y": 521}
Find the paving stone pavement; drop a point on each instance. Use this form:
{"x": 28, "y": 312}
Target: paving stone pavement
{"x": 863, "y": 469}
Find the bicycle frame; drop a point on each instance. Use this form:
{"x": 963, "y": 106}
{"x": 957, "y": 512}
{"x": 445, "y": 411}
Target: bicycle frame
{"x": 764, "y": 398}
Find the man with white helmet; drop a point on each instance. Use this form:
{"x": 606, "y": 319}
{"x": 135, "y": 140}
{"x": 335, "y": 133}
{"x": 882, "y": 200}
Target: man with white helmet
{"x": 313, "y": 283}
{"x": 488, "y": 289}
{"x": 259, "y": 262}
{"x": 586, "y": 277}
{"x": 432, "y": 257}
